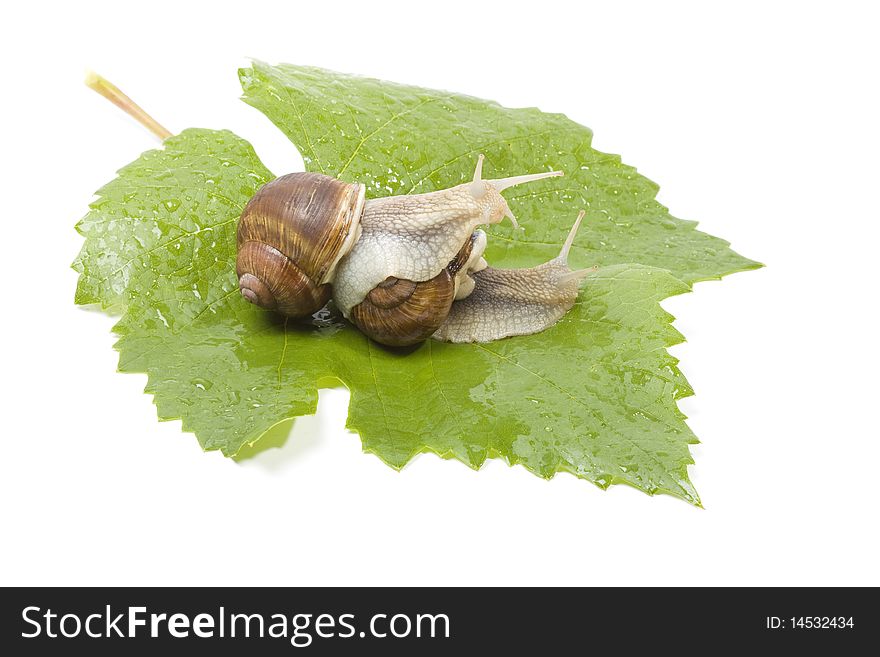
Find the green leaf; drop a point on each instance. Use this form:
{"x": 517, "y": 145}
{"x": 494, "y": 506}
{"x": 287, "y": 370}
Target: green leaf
{"x": 594, "y": 395}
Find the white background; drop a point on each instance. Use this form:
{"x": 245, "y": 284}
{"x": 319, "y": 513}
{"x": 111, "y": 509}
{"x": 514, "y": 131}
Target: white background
{"x": 760, "y": 120}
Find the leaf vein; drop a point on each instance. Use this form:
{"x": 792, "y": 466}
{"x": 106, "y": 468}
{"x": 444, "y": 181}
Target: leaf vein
{"x": 372, "y": 134}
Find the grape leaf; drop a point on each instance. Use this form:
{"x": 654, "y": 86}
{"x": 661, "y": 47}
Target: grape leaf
{"x": 594, "y": 395}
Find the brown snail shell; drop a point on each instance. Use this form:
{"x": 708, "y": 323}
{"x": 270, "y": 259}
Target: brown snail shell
{"x": 291, "y": 235}
{"x": 399, "y": 312}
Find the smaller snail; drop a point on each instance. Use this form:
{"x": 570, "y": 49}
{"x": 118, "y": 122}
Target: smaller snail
{"x": 399, "y": 312}
{"x": 507, "y": 302}
{"x": 305, "y": 237}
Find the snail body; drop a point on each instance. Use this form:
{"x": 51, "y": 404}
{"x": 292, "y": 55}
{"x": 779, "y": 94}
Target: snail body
{"x": 508, "y": 302}
{"x": 304, "y": 238}
{"x": 414, "y": 237}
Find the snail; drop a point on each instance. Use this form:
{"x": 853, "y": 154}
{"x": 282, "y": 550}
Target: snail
{"x": 392, "y": 265}
{"x": 507, "y": 302}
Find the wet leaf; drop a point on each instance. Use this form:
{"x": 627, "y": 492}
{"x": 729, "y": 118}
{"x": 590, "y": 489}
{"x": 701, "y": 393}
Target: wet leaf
{"x": 594, "y": 396}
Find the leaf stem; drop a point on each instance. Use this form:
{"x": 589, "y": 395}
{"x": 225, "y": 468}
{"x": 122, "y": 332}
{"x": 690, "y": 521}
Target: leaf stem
{"x": 112, "y": 93}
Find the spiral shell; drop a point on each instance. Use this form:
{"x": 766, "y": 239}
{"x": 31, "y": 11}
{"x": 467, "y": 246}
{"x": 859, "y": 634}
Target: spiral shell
{"x": 291, "y": 236}
{"x": 399, "y": 312}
